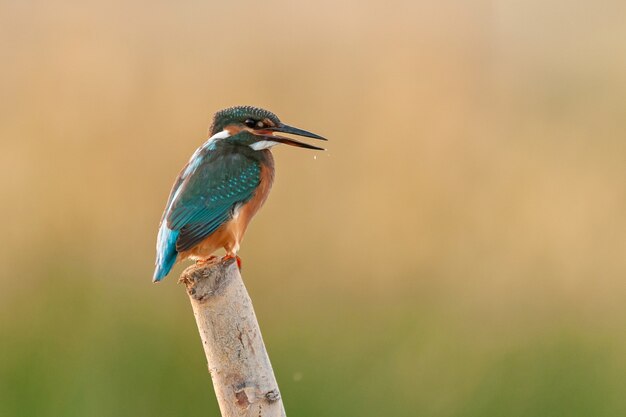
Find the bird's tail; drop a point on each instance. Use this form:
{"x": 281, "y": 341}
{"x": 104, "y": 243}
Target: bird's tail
{"x": 166, "y": 252}
{"x": 161, "y": 270}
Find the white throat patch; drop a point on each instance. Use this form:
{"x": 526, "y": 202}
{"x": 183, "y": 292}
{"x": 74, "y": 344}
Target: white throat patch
{"x": 264, "y": 144}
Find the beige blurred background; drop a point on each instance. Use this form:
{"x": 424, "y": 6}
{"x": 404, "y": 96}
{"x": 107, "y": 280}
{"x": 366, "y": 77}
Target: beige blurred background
{"x": 459, "y": 250}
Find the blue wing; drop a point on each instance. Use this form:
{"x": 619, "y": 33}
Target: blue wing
{"x": 202, "y": 199}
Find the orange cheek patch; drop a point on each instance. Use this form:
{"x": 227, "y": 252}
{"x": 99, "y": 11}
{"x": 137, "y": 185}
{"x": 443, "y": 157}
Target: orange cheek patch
{"x": 233, "y": 129}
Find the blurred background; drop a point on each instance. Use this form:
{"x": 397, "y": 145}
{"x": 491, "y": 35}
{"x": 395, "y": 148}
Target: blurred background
{"x": 459, "y": 250}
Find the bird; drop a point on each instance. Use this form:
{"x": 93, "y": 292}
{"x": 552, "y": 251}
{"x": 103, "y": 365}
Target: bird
{"x": 220, "y": 189}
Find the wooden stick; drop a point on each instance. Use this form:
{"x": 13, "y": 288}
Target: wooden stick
{"x": 238, "y": 363}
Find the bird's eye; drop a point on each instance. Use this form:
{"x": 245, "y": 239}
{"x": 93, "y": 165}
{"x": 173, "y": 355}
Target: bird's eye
{"x": 250, "y": 123}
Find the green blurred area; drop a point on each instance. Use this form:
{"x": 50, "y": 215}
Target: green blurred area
{"x": 459, "y": 250}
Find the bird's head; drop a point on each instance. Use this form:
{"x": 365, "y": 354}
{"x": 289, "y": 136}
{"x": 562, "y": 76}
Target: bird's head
{"x": 257, "y": 128}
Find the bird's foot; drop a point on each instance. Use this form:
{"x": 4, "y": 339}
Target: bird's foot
{"x": 207, "y": 261}
{"x": 231, "y": 256}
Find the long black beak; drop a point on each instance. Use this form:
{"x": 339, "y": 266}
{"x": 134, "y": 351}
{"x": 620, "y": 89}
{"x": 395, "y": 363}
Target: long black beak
{"x": 293, "y": 131}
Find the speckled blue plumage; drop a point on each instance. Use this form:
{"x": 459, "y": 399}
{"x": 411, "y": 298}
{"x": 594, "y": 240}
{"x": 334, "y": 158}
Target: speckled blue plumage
{"x": 217, "y": 179}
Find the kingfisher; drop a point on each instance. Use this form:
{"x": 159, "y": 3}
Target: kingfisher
{"x": 221, "y": 188}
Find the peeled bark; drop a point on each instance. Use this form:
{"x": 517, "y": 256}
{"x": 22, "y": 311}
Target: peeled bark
{"x": 242, "y": 375}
